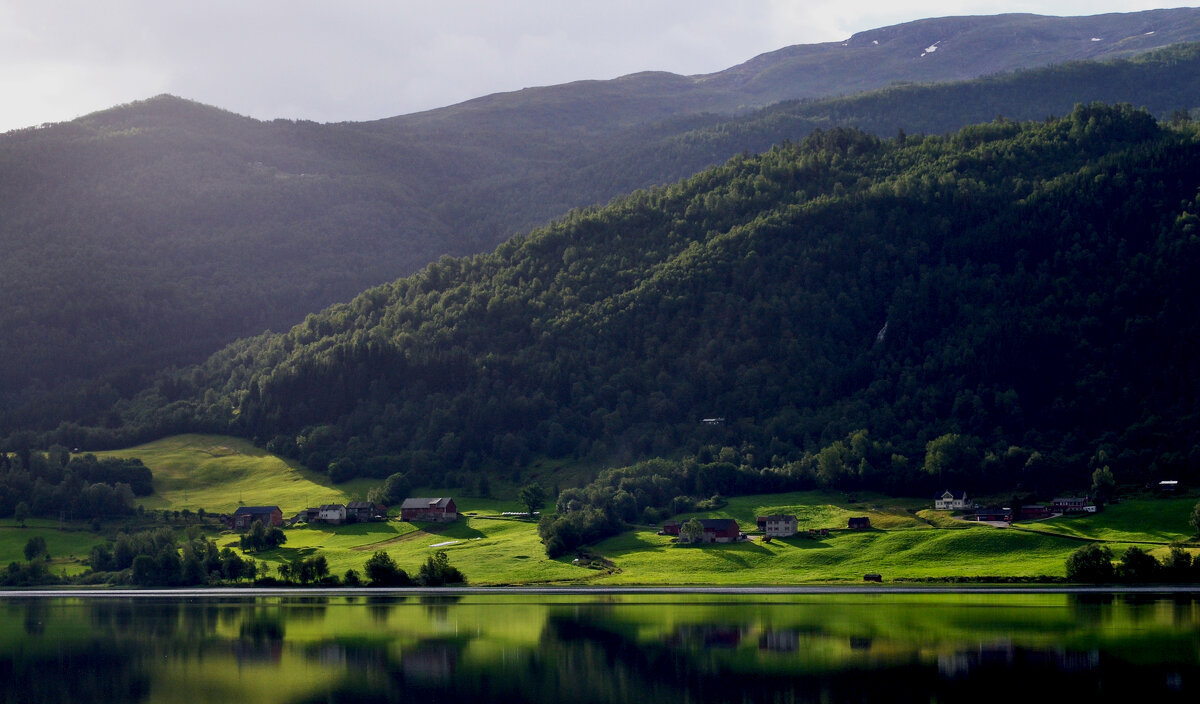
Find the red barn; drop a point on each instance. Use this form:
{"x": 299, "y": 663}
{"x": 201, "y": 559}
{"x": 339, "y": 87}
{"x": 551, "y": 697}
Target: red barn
{"x": 440, "y": 510}
{"x": 246, "y": 515}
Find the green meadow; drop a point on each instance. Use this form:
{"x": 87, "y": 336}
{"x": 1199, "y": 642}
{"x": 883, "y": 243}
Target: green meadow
{"x": 907, "y": 540}
{"x": 1149, "y": 520}
{"x": 219, "y": 473}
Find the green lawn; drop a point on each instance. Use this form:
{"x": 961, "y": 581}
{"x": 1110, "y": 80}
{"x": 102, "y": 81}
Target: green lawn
{"x": 67, "y": 547}
{"x": 1152, "y": 520}
{"x": 220, "y": 473}
{"x": 644, "y": 557}
{"x": 818, "y": 509}
{"x": 487, "y": 548}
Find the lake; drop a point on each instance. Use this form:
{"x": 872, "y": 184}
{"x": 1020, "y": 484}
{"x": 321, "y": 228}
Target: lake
{"x": 659, "y": 648}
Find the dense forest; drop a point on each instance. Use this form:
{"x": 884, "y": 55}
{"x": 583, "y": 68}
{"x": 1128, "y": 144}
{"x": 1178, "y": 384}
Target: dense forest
{"x": 1010, "y": 304}
{"x": 152, "y": 234}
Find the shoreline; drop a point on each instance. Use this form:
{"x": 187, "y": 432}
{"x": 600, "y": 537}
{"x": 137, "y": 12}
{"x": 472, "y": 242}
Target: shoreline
{"x": 812, "y": 590}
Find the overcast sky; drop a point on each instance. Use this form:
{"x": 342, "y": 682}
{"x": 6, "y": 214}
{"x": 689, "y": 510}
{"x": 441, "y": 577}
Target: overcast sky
{"x": 366, "y": 59}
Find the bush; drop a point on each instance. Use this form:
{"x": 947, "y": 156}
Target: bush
{"x": 438, "y": 571}
{"x": 1090, "y": 563}
{"x": 382, "y": 571}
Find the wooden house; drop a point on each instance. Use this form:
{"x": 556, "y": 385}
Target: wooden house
{"x": 780, "y": 526}
{"x": 951, "y": 501}
{"x": 859, "y": 523}
{"x": 439, "y": 510}
{"x": 245, "y": 516}
{"x": 332, "y": 513}
{"x": 364, "y": 511}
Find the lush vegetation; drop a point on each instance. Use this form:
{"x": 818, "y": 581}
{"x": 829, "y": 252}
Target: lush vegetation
{"x": 54, "y": 484}
{"x": 151, "y": 234}
{"x": 1006, "y": 306}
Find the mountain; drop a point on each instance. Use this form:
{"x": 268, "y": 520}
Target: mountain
{"x": 152, "y": 234}
{"x": 1013, "y": 298}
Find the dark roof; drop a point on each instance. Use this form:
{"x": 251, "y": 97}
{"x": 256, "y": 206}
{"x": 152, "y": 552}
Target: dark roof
{"x": 255, "y": 510}
{"x": 958, "y": 495}
{"x": 779, "y": 517}
{"x": 327, "y": 507}
{"x": 441, "y": 502}
{"x": 717, "y": 523}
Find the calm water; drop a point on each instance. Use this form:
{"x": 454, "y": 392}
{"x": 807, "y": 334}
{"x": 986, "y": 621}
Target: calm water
{"x": 627, "y": 648}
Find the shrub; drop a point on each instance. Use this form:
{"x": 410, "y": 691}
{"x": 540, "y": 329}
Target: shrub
{"x": 1090, "y": 563}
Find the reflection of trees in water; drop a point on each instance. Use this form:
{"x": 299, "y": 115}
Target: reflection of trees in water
{"x": 437, "y": 605}
{"x": 97, "y": 671}
{"x": 380, "y": 607}
{"x": 34, "y": 618}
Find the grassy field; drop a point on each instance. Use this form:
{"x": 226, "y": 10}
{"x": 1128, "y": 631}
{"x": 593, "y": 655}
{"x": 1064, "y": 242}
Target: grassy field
{"x": 489, "y": 548}
{"x": 1150, "y": 520}
{"x": 908, "y": 539}
{"x": 220, "y": 473}
{"x": 67, "y": 547}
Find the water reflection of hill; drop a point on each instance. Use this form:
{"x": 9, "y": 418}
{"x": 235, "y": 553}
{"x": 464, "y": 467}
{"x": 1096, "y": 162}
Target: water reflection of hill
{"x": 512, "y": 650}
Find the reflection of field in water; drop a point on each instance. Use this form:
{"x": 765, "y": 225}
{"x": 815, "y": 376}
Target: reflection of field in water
{"x": 601, "y": 648}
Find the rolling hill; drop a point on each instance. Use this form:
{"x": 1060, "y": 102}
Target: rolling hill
{"x": 152, "y": 234}
{"x": 1019, "y": 293}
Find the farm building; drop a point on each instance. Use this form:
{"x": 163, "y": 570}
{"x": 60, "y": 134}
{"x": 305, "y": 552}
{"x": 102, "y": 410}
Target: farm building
{"x": 363, "y": 511}
{"x": 951, "y": 501}
{"x": 994, "y": 514}
{"x": 440, "y": 510}
{"x": 332, "y": 513}
{"x": 1074, "y": 504}
{"x": 719, "y": 530}
{"x": 780, "y": 526}
{"x": 247, "y": 515}
{"x": 1034, "y": 511}
{"x": 859, "y": 523}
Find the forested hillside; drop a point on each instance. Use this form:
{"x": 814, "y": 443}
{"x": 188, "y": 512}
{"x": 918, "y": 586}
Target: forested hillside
{"x": 1010, "y": 303}
{"x": 151, "y": 234}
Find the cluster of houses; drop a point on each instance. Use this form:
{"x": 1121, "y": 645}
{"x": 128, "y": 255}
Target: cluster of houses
{"x": 957, "y": 501}
{"x": 437, "y": 510}
{"x": 726, "y": 530}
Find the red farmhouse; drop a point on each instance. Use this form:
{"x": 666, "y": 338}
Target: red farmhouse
{"x": 440, "y": 510}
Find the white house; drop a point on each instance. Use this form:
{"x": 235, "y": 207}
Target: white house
{"x": 778, "y": 526}
{"x": 332, "y": 513}
{"x": 951, "y": 501}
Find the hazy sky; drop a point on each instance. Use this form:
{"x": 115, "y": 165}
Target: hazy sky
{"x": 365, "y": 59}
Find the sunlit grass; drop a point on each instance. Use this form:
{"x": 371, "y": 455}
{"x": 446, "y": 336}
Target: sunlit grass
{"x": 220, "y": 473}
{"x": 1153, "y": 520}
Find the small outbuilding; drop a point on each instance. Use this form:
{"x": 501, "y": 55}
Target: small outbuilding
{"x": 872, "y": 577}
{"x": 859, "y": 523}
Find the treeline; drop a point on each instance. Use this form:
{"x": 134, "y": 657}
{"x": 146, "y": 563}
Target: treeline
{"x": 1094, "y": 563}
{"x": 55, "y": 485}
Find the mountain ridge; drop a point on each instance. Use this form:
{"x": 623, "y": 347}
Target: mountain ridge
{"x": 151, "y": 234}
